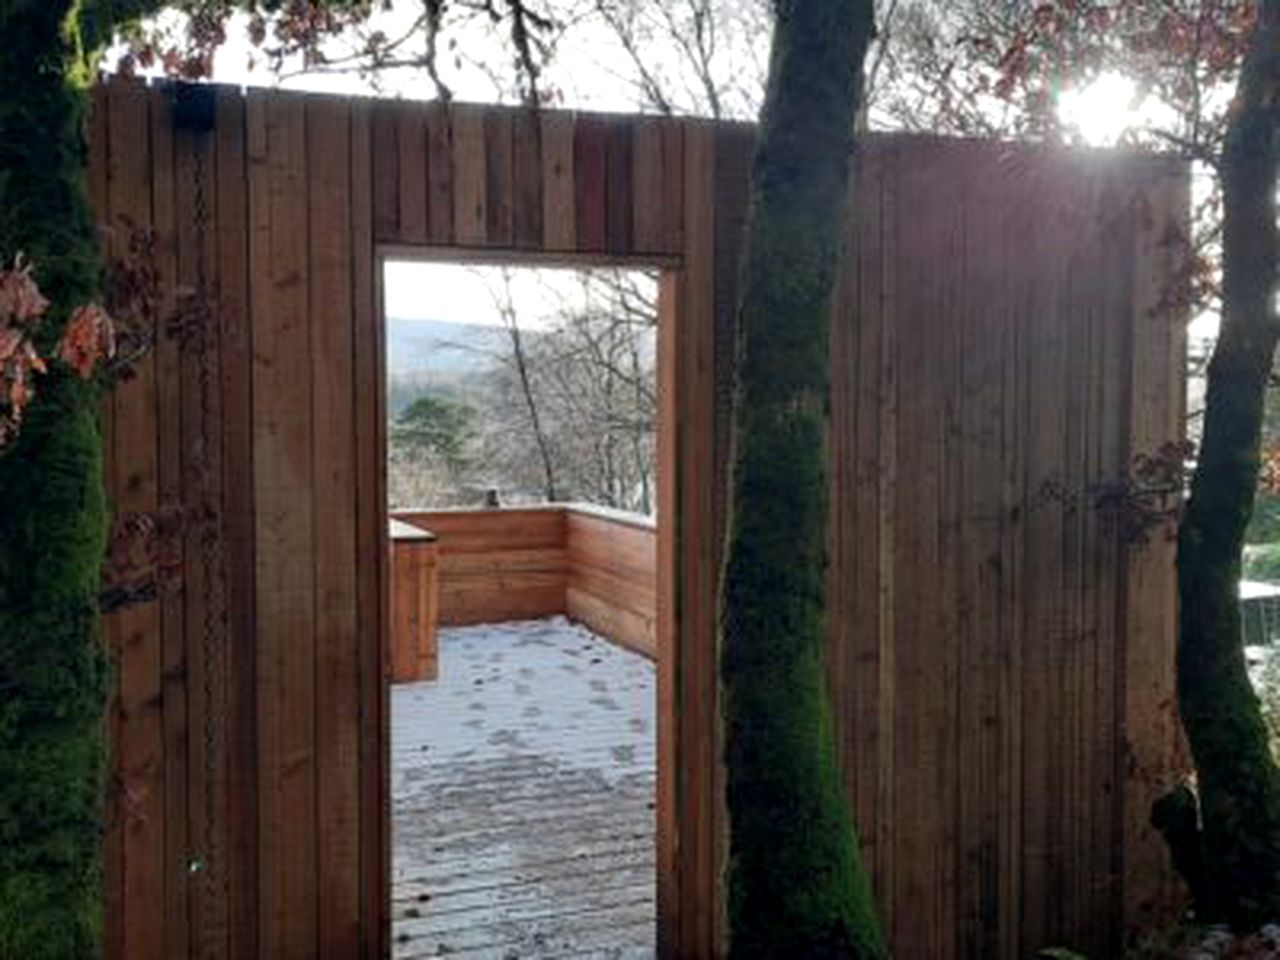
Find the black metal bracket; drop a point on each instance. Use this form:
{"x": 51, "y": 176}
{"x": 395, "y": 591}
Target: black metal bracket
{"x": 193, "y": 106}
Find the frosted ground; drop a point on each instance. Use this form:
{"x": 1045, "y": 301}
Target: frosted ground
{"x": 522, "y": 798}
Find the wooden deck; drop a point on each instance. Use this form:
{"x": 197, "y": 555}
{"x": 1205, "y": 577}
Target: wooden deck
{"x": 522, "y": 798}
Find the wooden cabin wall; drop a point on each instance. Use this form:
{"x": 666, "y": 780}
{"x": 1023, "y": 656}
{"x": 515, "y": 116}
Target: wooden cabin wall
{"x": 1001, "y": 654}
{"x": 253, "y": 685}
{"x": 1001, "y": 661}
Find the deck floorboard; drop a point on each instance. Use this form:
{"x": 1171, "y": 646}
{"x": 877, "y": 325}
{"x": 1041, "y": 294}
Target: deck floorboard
{"x": 523, "y": 798}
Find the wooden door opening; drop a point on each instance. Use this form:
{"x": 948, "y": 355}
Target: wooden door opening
{"x": 524, "y": 735}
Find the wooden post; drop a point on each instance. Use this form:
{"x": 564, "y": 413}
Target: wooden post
{"x": 414, "y": 604}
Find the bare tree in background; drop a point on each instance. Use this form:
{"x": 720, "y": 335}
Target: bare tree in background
{"x": 711, "y": 57}
{"x": 693, "y": 56}
{"x": 518, "y": 360}
{"x": 424, "y": 44}
{"x": 573, "y": 396}
{"x": 596, "y": 377}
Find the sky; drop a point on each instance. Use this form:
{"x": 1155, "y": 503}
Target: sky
{"x": 1105, "y": 109}
{"x": 586, "y": 75}
{"x": 463, "y": 293}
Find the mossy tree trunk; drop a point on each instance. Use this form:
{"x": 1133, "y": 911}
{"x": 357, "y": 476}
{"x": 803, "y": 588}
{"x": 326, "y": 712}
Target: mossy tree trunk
{"x": 1238, "y": 782}
{"x": 796, "y": 884}
{"x": 53, "y": 514}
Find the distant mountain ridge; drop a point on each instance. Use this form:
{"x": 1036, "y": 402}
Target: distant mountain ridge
{"x": 441, "y": 347}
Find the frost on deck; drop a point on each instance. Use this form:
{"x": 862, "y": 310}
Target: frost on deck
{"x": 522, "y": 798}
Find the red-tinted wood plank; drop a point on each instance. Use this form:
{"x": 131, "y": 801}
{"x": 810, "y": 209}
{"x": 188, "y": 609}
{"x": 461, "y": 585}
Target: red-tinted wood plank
{"x": 411, "y": 149}
{"x": 236, "y": 378}
{"x": 333, "y": 474}
{"x": 499, "y": 179}
{"x": 440, "y": 174}
{"x": 527, "y": 210}
{"x": 619, "y": 191}
{"x": 386, "y": 172}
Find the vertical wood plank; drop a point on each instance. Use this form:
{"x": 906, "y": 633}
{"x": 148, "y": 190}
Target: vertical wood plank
{"x": 499, "y": 179}
{"x": 200, "y": 412}
{"x": 334, "y": 519}
{"x": 882, "y": 448}
{"x": 1080, "y": 294}
{"x": 440, "y": 174}
{"x": 980, "y": 361}
{"x": 386, "y": 171}
{"x": 140, "y": 762}
{"x": 942, "y": 468}
{"x": 266, "y": 738}
{"x": 666, "y": 799}
{"x": 1098, "y": 912}
{"x": 558, "y": 215}
{"x": 947, "y": 330}
{"x": 411, "y": 150}
{"x": 1020, "y": 229}
{"x": 527, "y": 161}
{"x": 590, "y": 179}
{"x": 470, "y": 177}
{"x": 908, "y": 885}
{"x": 1155, "y": 400}
{"x": 371, "y": 546}
{"x": 283, "y": 446}
{"x": 620, "y": 189}
{"x": 921, "y": 867}
{"x": 697, "y": 752}
{"x": 236, "y": 375}
{"x": 648, "y": 190}
{"x": 169, "y": 221}
{"x": 1116, "y": 243}
{"x": 1044, "y": 643}
{"x": 673, "y": 185}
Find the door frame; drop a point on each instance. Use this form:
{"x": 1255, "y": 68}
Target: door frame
{"x": 669, "y": 402}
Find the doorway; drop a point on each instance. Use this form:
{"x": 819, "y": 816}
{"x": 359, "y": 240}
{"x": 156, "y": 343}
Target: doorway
{"x": 522, "y": 468}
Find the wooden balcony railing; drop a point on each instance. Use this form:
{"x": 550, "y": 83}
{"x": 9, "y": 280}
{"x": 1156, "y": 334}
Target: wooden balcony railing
{"x": 596, "y": 566}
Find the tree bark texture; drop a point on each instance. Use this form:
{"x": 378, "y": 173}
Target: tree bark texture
{"x": 1237, "y": 780}
{"x": 796, "y": 884}
{"x": 53, "y": 512}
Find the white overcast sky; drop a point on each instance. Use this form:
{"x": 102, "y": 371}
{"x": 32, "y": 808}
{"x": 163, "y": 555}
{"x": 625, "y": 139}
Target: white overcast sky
{"x": 465, "y": 294}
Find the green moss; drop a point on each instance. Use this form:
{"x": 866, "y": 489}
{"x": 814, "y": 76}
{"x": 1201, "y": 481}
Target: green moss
{"x": 796, "y": 884}
{"x": 796, "y": 877}
{"x": 52, "y": 520}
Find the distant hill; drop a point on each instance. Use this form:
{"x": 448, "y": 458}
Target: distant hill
{"x": 440, "y": 348}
